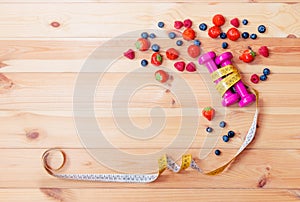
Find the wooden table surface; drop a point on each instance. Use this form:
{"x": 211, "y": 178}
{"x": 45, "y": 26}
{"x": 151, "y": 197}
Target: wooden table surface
{"x": 39, "y": 65}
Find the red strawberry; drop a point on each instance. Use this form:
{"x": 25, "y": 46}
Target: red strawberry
{"x": 194, "y": 51}
{"x": 235, "y": 22}
{"x": 208, "y": 113}
{"x": 233, "y": 34}
{"x": 178, "y": 24}
{"x": 179, "y": 66}
{"x": 190, "y": 67}
{"x": 172, "y": 54}
{"x": 218, "y": 20}
{"x": 248, "y": 55}
{"x": 214, "y": 31}
{"x": 161, "y": 76}
{"x": 264, "y": 51}
{"x": 129, "y": 54}
{"x": 187, "y": 23}
{"x": 142, "y": 44}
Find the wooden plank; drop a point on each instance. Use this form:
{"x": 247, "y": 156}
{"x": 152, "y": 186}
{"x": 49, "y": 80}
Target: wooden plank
{"x": 152, "y": 1}
{"x": 70, "y": 55}
{"x": 230, "y": 195}
{"x": 280, "y": 18}
{"x": 254, "y": 169}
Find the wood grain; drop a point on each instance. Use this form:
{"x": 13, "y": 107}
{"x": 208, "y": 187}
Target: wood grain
{"x": 282, "y": 19}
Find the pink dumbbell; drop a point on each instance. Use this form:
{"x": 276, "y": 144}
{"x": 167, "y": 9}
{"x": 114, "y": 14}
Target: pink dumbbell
{"x": 207, "y": 59}
{"x": 246, "y": 98}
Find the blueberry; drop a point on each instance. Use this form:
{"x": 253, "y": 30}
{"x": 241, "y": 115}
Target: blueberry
{"x": 202, "y": 26}
{"x": 266, "y": 71}
{"x": 225, "y": 138}
{"x": 245, "y": 35}
{"x": 144, "y": 63}
{"x": 222, "y": 124}
{"x": 253, "y": 36}
{"x": 172, "y": 35}
{"x": 209, "y": 129}
{"x": 197, "y": 42}
{"x": 160, "y": 24}
{"x": 224, "y": 45}
{"x": 261, "y": 29}
{"x": 155, "y": 47}
{"x": 152, "y": 36}
{"x": 179, "y": 42}
{"x": 144, "y": 35}
{"x": 245, "y": 22}
{"x": 230, "y": 134}
{"x": 217, "y": 152}
{"x": 223, "y": 35}
{"x": 263, "y": 77}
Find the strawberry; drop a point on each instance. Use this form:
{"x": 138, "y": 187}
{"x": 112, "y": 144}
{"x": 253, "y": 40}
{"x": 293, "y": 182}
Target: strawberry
{"x": 233, "y": 34}
{"x": 156, "y": 59}
{"x": 179, "y": 66}
{"x": 188, "y": 34}
{"x": 235, "y": 22}
{"x": 208, "y": 113}
{"x": 214, "y": 31}
{"x": 129, "y": 54}
{"x": 191, "y": 67}
{"x": 248, "y": 55}
{"x": 264, "y": 51}
{"x": 218, "y": 20}
{"x": 178, "y": 24}
{"x": 161, "y": 76}
{"x": 142, "y": 44}
{"x": 194, "y": 51}
{"x": 172, "y": 54}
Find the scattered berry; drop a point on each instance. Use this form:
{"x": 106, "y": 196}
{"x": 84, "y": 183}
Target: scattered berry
{"x": 180, "y": 66}
{"x": 218, "y": 20}
{"x": 245, "y": 35}
{"x": 266, "y": 71}
{"x": 214, "y": 31}
{"x": 155, "y": 47}
{"x": 264, "y": 51}
{"x": 225, "y": 138}
{"x": 160, "y": 24}
{"x": 224, "y": 45}
{"x": 209, "y": 129}
{"x": 253, "y": 36}
{"x": 223, "y": 35}
{"x": 142, "y": 44}
{"x": 202, "y": 26}
{"x": 261, "y": 29}
{"x": 245, "y": 22}
{"x": 179, "y": 42}
{"x": 254, "y": 78}
{"x": 172, "y": 54}
{"x": 263, "y": 77}
{"x": 188, "y": 34}
{"x": 55, "y": 24}
{"x": 197, "y": 42}
{"x": 222, "y": 124}
{"x": 217, "y": 152}
{"x": 230, "y": 134}
{"x": 129, "y": 54}
{"x": 178, "y": 24}
{"x": 187, "y": 23}
{"x": 172, "y": 35}
{"x": 248, "y": 55}
{"x": 194, "y": 51}
{"x": 208, "y": 113}
{"x": 233, "y": 34}
{"x": 152, "y": 36}
{"x": 144, "y": 63}
{"x": 156, "y": 59}
{"x": 161, "y": 76}
{"x": 144, "y": 35}
{"x": 191, "y": 67}
{"x": 235, "y": 22}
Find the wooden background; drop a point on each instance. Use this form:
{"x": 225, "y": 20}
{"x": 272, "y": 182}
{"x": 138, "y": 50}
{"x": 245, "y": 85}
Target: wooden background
{"x": 39, "y": 64}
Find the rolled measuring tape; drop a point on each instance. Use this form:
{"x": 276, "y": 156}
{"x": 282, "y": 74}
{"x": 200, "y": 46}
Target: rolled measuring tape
{"x": 164, "y": 163}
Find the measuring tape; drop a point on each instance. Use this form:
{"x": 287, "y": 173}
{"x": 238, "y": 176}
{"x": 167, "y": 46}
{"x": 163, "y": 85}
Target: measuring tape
{"x": 164, "y": 163}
